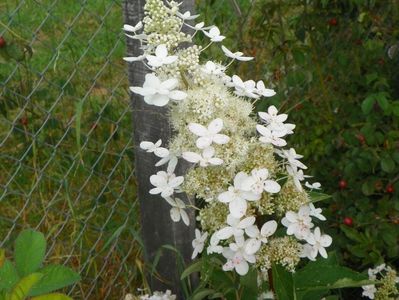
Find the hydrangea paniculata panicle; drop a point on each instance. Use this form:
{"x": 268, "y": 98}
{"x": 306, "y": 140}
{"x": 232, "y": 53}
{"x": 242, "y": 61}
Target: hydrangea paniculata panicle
{"x": 251, "y": 185}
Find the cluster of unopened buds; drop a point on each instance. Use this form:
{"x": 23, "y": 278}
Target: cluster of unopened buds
{"x": 209, "y": 145}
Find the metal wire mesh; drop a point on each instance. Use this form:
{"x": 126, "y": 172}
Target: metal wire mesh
{"x": 66, "y": 154}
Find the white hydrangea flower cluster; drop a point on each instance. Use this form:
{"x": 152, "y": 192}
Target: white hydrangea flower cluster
{"x": 248, "y": 182}
{"x": 388, "y": 281}
{"x": 155, "y": 296}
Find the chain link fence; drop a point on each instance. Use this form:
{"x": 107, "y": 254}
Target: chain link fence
{"x": 66, "y": 153}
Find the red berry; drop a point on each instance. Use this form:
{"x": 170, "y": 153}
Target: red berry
{"x": 343, "y": 184}
{"x": 361, "y": 138}
{"x": 333, "y": 22}
{"x": 299, "y": 106}
{"x": 359, "y": 42}
{"x": 24, "y": 121}
{"x": 389, "y": 189}
{"x": 348, "y": 221}
{"x": 2, "y": 42}
{"x": 381, "y": 62}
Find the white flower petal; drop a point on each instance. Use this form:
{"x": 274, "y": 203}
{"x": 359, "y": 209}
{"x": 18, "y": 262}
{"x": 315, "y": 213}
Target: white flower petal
{"x": 192, "y": 157}
{"x": 197, "y": 129}
{"x": 269, "y": 228}
{"x": 203, "y": 142}
{"x": 175, "y": 214}
{"x": 242, "y": 268}
{"x": 221, "y": 139}
{"x": 271, "y": 186}
{"x": 177, "y": 95}
{"x": 238, "y": 207}
{"x": 252, "y": 246}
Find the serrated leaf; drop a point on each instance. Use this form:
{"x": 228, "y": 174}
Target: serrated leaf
{"x": 54, "y": 296}
{"x": 30, "y": 248}
{"x": 22, "y": 288}
{"x": 55, "y": 277}
{"x": 8, "y": 275}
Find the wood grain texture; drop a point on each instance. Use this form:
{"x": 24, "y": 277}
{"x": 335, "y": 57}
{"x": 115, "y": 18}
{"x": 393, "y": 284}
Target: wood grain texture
{"x": 151, "y": 123}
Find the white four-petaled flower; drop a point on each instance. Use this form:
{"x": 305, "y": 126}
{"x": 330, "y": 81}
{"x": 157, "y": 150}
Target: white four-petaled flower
{"x": 177, "y": 212}
{"x": 161, "y": 57}
{"x": 318, "y": 242}
{"x": 275, "y": 122}
{"x": 236, "y": 227}
{"x": 198, "y": 243}
{"x": 154, "y": 148}
{"x": 186, "y": 16}
{"x": 210, "y": 134}
{"x": 257, "y": 237}
{"x": 214, "y": 34}
{"x": 259, "y": 182}
{"x": 237, "y": 257}
{"x": 244, "y": 89}
{"x": 313, "y": 186}
{"x": 236, "y": 55}
{"x": 157, "y": 92}
{"x": 298, "y": 224}
{"x": 297, "y": 176}
{"x": 212, "y": 68}
{"x": 207, "y": 158}
{"x": 316, "y": 212}
{"x": 292, "y": 158}
{"x": 237, "y": 196}
{"x": 263, "y": 91}
{"x": 271, "y": 137}
{"x": 134, "y": 28}
{"x": 165, "y": 184}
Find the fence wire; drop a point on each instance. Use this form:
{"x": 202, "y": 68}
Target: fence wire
{"x": 66, "y": 154}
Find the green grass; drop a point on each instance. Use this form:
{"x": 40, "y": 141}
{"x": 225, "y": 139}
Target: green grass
{"x": 66, "y": 160}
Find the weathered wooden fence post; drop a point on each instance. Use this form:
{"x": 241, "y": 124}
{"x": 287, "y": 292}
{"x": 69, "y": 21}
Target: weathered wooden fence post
{"x": 150, "y": 123}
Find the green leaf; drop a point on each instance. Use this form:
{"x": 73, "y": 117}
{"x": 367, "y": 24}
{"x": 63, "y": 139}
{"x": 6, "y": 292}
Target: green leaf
{"x": 30, "y": 248}
{"x": 283, "y": 283}
{"x": 317, "y": 197}
{"x": 54, "y": 277}
{"x": 22, "y": 288}
{"x": 202, "y": 294}
{"x": 8, "y": 275}
{"x": 326, "y": 274}
{"x": 250, "y": 285}
{"x": 383, "y": 101}
{"x": 55, "y": 296}
{"x": 195, "y": 267}
{"x": 367, "y": 104}
{"x": 387, "y": 164}
{"x": 368, "y": 188}
{"x": 352, "y": 234}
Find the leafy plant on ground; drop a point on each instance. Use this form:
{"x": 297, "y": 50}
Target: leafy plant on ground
{"x": 27, "y": 278}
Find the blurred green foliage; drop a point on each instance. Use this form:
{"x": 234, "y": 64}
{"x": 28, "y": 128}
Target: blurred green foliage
{"x": 334, "y": 65}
